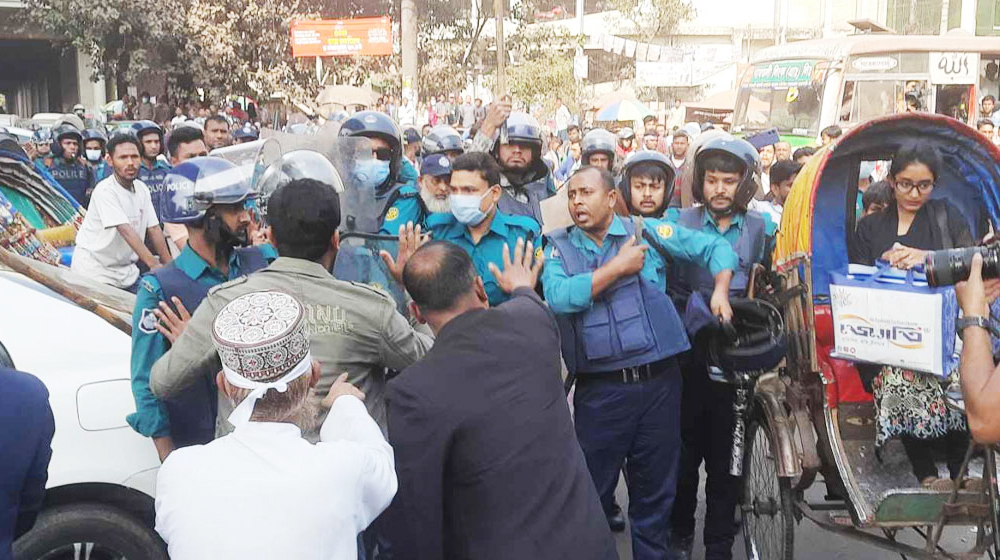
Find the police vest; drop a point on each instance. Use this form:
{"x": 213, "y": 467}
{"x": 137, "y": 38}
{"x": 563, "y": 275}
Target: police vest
{"x": 537, "y": 191}
{"x": 192, "y": 412}
{"x": 153, "y": 179}
{"x": 75, "y": 177}
{"x": 630, "y": 324}
{"x": 687, "y": 277}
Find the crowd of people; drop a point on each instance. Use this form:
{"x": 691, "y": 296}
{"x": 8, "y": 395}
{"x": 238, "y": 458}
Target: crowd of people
{"x": 268, "y": 384}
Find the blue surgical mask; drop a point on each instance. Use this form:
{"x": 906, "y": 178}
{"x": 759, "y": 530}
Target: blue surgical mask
{"x": 465, "y": 208}
{"x": 371, "y": 173}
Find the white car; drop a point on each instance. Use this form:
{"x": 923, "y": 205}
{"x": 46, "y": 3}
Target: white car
{"x": 102, "y": 478}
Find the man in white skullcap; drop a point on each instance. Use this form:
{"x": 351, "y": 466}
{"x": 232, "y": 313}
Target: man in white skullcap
{"x": 263, "y": 491}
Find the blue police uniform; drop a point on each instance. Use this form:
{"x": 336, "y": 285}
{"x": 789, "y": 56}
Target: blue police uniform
{"x": 76, "y": 177}
{"x": 707, "y": 406}
{"x": 505, "y": 229}
{"x": 153, "y": 179}
{"x": 404, "y": 206}
{"x": 406, "y": 180}
{"x": 190, "y": 419}
{"x": 621, "y": 346}
{"x": 102, "y": 171}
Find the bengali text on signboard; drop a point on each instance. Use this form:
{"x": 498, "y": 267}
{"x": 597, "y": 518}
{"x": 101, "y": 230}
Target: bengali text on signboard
{"x": 342, "y": 37}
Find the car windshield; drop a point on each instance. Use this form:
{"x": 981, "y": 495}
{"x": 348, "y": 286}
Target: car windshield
{"x": 786, "y": 95}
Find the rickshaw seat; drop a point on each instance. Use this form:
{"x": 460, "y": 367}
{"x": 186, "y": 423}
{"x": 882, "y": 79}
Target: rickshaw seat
{"x": 849, "y": 388}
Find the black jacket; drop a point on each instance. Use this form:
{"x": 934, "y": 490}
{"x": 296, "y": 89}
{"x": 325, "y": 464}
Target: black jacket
{"x": 487, "y": 457}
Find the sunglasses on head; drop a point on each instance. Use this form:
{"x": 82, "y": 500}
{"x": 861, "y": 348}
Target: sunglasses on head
{"x": 382, "y": 154}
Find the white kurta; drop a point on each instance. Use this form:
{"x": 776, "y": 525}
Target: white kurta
{"x": 265, "y": 492}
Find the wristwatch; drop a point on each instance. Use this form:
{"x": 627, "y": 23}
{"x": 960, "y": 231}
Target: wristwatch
{"x": 972, "y": 321}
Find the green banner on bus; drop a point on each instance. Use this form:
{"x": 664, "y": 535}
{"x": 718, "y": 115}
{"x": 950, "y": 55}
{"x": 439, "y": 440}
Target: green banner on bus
{"x": 784, "y": 73}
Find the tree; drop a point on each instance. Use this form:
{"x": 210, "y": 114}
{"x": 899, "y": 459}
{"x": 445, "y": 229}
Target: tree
{"x": 653, "y": 18}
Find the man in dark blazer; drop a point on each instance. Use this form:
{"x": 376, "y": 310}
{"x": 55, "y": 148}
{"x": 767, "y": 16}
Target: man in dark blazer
{"x": 488, "y": 462}
{"x": 26, "y": 429}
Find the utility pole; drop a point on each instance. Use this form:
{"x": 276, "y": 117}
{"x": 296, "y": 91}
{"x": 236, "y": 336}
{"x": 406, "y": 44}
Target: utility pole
{"x": 501, "y": 86}
{"x": 408, "y": 36}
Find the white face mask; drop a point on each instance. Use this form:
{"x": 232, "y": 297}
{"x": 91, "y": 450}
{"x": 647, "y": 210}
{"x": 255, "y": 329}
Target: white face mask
{"x": 93, "y": 155}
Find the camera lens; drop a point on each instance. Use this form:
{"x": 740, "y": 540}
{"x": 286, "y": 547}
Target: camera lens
{"x": 950, "y": 266}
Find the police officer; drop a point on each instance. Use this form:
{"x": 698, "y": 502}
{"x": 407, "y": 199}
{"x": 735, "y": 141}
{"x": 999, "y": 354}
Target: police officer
{"x": 647, "y": 184}
{"x": 444, "y": 139}
{"x": 475, "y": 222}
{"x": 246, "y": 133}
{"x": 94, "y": 142}
{"x": 388, "y": 173}
{"x": 433, "y": 196}
{"x": 208, "y": 197}
{"x": 74, "y": 175}
{"x": 42, "y": 139}
{"x": 525, "y": 179}
{"x": 620, "y": 336}
{"x": 598, "y": 149}
{"x": 725, "y": 180}
{"x": 152, "y": 169}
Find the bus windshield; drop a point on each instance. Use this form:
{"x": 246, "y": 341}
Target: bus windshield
{"x": 786, "y": 95}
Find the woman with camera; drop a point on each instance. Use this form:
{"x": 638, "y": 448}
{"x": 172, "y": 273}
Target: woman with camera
{"x": 911, "y": 405}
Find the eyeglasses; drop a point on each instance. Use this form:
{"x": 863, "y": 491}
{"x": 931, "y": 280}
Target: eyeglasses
{"x": 905, "y": 186}
{"x": 382, "y": 154}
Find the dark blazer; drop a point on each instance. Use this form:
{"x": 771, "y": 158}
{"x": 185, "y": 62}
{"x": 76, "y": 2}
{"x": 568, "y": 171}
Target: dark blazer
{"x": 486, "y": 454}
{"x": 26, "y": 429}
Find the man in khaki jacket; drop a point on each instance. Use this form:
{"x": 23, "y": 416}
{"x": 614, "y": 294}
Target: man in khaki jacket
{"x": 352, "y": 327}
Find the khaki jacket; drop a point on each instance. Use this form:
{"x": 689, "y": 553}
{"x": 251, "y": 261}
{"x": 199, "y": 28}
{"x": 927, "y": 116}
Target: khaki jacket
{"x": 352, "y": 327}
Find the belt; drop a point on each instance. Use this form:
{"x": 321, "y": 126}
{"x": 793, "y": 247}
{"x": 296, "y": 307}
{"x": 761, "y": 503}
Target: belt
{"x": 629, "y": 375}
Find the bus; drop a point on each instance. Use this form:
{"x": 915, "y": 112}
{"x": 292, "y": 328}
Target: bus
{"x": 804, "y": 86}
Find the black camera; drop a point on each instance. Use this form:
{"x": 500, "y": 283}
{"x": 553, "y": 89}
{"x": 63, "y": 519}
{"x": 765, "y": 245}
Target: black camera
{"x": 949, "y": 266}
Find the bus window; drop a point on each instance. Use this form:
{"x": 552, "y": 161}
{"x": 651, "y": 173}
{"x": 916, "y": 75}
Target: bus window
{"x": 867, "y": 99}
{"x": 782, "y": 94}
{"x": 953, "y": 100}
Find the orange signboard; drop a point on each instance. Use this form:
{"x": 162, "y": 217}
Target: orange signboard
{"x": 342, "y": 37}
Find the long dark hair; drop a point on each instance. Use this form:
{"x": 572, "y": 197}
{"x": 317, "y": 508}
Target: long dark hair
{"x": 916, "y": 153}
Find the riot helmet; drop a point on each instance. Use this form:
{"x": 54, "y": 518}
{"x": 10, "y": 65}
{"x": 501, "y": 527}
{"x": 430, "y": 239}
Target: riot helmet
{"x": 599, "y": 141}
{"x": 442, "y": 139}
{"x": 651, "y": 164}
{"x": 522, "y": 130}
{"x": 378, "y": 126}
{"x": 89, "y": 134}
{"x": 79, "y": 110}
{"x": 66, "y": 132}
{"x": 141, "y": 128}
{"x": 740, "y": 153}
{"x": 752, "y": 343}
{"x": 246, "y": 133}
{"x": 297, "y": 164}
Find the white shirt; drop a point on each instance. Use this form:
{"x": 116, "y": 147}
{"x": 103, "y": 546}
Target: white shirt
{"x": 767, "y": 207}
{"x": 264, "y": 492}
{"x": 563, "y": 118}
{"x": 407, "y": 114}
{"x": 101, "y": 253}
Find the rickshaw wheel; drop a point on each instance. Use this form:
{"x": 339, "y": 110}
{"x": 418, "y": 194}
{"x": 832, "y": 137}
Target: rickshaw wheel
{"x": 766, "y": 501}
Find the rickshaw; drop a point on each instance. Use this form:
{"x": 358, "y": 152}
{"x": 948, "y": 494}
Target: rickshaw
{"x": 813, "y": 416}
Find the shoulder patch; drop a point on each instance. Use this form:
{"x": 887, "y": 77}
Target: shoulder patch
{"x": 148, "y": 321}
{"x": 539, "y": 253}
{"x": 392, "y": 214}
{"x": 665, "y": 231}
{"x": 234, "y": 282}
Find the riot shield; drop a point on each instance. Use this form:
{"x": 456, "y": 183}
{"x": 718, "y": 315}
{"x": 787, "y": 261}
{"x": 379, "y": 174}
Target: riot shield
{"x": 331, "y": 160}
{"x": 358, "y": 260}
{"x": 251, "y": 157}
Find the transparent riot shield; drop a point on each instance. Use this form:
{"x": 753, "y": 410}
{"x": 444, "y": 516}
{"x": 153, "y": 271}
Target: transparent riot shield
{"x": 331, "y": 160}
{"x": 359, "y": 260}
{"x": 251, "y": 157}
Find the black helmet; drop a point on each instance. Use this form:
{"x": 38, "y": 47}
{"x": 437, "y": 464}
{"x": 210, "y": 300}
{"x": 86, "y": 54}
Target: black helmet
{"x": 64, "y": 132}
{"x": 373, "y": 124}
{"x": 653, "y": 158}
{"x": 443, "y": 138}
{"x": 753, "y": 343}
{"x": 599, "y": 141}
{"x": 95, "y": 134}
{"x": 140, "y": 128}
{"x": 740, "y": 149}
